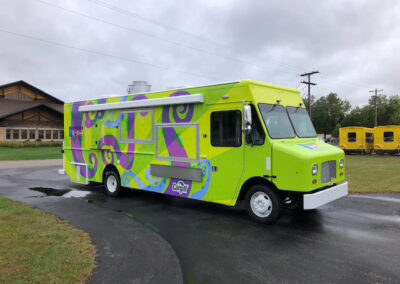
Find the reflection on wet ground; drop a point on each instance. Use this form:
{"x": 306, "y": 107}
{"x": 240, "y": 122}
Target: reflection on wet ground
{"x": 67, "y": 193}
{"x": 219, "y": 244}
{"x": 355, "y": 239}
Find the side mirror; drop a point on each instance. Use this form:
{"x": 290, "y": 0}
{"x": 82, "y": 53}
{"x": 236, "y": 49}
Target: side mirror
{"x": 247, "y": 121}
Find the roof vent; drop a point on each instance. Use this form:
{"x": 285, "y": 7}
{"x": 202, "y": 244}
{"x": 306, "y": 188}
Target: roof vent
{"x": 139, "y": 87}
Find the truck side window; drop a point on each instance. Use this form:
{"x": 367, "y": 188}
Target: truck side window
{"x": 351, "y": 137}
{"x": 388, "y": 136}
{"x": 257, "y": 135}
{"x": 226, "y": 128}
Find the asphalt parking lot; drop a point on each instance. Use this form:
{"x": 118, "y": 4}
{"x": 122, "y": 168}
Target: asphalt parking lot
{"x": 146, "y": 237}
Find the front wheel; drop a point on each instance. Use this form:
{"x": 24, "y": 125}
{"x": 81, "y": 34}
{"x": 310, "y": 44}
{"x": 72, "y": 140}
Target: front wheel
{"x": 263, "y": 204}
{"x": 112, "y": 183}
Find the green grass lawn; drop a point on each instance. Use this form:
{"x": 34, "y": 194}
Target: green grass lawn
{"x": 37, "y": 247}
{"x": 373, "y": 173}
{"x": 28, "y": 153}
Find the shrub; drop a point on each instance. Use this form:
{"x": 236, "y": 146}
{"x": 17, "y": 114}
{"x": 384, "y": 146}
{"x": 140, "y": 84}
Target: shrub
{"x": 22, "y": 144}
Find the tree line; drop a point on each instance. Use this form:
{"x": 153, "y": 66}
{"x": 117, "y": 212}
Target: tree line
{"x": 330, "y": 112}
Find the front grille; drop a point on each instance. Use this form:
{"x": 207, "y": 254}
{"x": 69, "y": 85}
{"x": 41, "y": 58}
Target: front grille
{"x": 328, "y": 171}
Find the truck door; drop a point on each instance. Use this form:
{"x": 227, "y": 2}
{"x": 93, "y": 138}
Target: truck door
{"x": 257, "y": 150}
{"x": 225, "y": 152}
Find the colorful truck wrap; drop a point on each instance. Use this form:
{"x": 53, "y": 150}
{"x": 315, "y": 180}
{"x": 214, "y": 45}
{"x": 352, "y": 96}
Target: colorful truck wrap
{"x": 223, "y": 143}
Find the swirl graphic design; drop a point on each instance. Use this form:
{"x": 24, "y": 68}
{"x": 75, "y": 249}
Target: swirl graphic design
{"x": 89, "y": 121}
{"x": 205, "y": 166}
{"x": 93, "y": 161}
{"x": 174, "y": 148}
{"x": 76, "y": 143}
{"x": 125, "y": 159}
{"x": 110, "y": 121}
{"x": 156, "y": 184}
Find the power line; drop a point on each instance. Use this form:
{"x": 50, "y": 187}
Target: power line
{"x": 132, "y": 29}
{"x": 152, "y": 35}
{"x": 309, "y": 83}
{"x": 132, "y": 14}
{"x": 376, "y": 104}
{"x": 168, "y": 27}
{"x": 103, "y": 54}
{"x": 293, "y": 69}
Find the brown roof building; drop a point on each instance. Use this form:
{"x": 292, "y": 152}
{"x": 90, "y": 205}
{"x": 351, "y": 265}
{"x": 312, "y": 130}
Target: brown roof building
{"x": 28, "y": 113}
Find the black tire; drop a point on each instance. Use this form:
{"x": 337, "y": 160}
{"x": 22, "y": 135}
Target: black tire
{"x": 112, "y": 183}
{"x": 272, "y": 206}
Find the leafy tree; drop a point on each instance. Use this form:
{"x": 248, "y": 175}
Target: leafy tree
{"x": 327, "y": 112}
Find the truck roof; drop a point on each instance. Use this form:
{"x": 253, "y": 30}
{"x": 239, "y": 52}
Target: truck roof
{"x": 242, "y": 82}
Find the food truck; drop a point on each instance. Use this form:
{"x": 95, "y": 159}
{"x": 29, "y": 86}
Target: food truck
{"x": 355, "y": 139}
{"x": 387, "y": 139}
{"x": 241, "y": 141}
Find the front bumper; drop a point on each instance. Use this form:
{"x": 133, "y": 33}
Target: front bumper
{"x": 314, "y": 200}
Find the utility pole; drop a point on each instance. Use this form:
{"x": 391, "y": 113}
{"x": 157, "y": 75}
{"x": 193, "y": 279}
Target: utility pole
{"x": 376, "y": 104}
{"x": 309, "y": 83}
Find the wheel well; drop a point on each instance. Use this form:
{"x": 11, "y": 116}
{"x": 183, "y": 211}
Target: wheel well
{"x": 253, "y": 181}
{"x": 110, "y": 167}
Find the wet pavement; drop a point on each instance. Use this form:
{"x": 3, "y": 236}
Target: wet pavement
{"x": 148, "y": 237}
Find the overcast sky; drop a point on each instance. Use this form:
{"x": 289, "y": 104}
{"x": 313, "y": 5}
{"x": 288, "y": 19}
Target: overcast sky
{"x": 81, "y": 49}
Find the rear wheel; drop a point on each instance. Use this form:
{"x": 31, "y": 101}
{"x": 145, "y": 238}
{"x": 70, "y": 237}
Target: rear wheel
{"x": 112, "y": 183}
{"x": 263, "y": 204}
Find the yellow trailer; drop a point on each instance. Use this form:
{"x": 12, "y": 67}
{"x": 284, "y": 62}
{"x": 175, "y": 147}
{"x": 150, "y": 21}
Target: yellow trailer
{"x": 355, "y": 139}
{"x": 387, "y": 139}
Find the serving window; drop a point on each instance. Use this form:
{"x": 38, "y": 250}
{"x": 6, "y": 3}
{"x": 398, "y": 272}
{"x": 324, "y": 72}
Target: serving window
{"x": 178, "y": 142}
{"x": 137, "y": 126}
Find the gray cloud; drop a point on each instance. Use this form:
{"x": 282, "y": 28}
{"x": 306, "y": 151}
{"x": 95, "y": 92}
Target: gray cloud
{"x": 353, "y": 43}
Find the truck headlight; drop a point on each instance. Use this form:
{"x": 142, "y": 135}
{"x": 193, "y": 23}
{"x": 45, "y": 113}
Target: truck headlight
{"x": 314, "y": 169}
{"x": 341, "y": 163}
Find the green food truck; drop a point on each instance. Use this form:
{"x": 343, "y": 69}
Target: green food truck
{"x": 223, "y": 143}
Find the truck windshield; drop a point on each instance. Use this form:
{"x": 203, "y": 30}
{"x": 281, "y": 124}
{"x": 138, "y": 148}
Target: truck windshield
{"x": 301, "y": 122}
{"x": 277, "y": 121}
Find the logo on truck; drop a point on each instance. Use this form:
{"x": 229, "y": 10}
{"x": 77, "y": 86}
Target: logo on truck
{"x": 180, "y": 187}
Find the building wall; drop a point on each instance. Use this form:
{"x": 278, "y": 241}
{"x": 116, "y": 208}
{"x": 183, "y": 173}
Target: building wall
{"x": 40, "y": 123}
{"x": 16, "y": 92}
{"x": 37, "y": 117}
{"x": 2, "y": 134}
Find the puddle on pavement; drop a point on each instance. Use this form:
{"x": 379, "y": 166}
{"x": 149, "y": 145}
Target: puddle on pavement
{"x": 67, "y": 193}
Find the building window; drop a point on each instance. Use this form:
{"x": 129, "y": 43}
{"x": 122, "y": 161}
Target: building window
{"x": 15, "y": 134}
{"x": 351, "y": 137}
{"x": 32, "y": 134}
{"x": 24, "y": 134}
{"x": 41, "y": 134}
{"x": 226, "y": 128}
{"x": 55, "y": 134}
{"x": 8, "y": 133}
{"x": 48, "y": 134}
{"x": 25, "y": 97}
{"x": 388, "y": 136}
{"x": 12, "y": 96}
{"x": 61, "y": 134}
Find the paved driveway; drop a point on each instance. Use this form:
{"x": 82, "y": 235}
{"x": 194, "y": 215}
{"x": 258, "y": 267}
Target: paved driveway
{"x": 148, "y": 237}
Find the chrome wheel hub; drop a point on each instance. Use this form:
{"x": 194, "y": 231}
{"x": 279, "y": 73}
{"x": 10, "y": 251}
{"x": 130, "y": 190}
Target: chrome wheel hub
{"x": 261, "y": 204}
{"x": 111, "y": 184}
